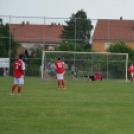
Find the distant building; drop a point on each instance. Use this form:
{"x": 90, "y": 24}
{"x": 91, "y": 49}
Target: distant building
{"x": 29, "y": 35}
{"x": 111, "y": 31}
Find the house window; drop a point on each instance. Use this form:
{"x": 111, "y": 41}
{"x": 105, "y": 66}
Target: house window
{"x": 107, "y": 45}
{"x": 51, "y": 47}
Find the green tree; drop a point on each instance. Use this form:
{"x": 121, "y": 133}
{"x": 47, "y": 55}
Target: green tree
{"x": 78, "y": 29}
{"x": 122, "y": 47}
{"x": 34, "y": 61}
{"x": 35, "y": 56}
{"x": 6, "y": 40}
{"x": 69, "y": 46}
{"x": 36, "y": 52}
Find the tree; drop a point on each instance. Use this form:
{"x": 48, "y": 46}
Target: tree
{"x": 78, "y": 29}
{"x": 6, "y": 39}
{"x": 69, "y": 46}
{"x": 35, "y": 56}
{"x": 36, "y": 52}
{"x": 122, "y": 47}
{"x": 33, "y": 62}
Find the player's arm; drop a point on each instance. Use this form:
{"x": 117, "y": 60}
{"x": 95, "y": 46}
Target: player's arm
{"x": 23, "y": 69}
{"x": 65, "y": 66}
{"x": 24, "y": 74}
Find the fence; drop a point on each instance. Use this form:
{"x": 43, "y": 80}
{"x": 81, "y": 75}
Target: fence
{"x": 111, "y": 65}
{"x": 45, "y": 31}
{"x": 32, "y": 67}
{"x": 32, "y": 31}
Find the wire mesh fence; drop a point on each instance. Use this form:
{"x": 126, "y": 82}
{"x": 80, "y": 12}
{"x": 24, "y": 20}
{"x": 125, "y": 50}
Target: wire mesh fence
{"x": 31, "y": 31}
{"x": 111, "y": 65}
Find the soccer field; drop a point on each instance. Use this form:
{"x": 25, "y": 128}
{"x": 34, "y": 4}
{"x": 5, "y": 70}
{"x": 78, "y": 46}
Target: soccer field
{"x": 105, "y": 107}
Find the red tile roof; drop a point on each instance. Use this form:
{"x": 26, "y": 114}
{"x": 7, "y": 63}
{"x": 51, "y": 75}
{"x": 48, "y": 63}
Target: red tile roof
{"x": 114, "y": 30}
{"x": 36, "y": 33}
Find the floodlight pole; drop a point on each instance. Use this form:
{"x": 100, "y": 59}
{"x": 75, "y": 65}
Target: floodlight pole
{"x": 9, "y": 50}
{"x": 126, "y": 66}
{"x": 43, "y": 53}
{"x": 9, "y": 53}
{"x": 107, "y": 66}
{"x": 74, "y": 40}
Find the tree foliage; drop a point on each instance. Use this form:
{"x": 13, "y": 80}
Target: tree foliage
{"x": 122, "y": 47}
{"x": 33, "y": 62}
{"x": 70, "y": 46}
{"x": 36, "y": 52}
{"x": 7, "y": 41}
{"x": 35, "y": 56}
{"x": 78, "y": 30}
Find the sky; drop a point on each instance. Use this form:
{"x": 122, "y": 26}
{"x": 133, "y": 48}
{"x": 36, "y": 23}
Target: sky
{"x": 95, "y": 9}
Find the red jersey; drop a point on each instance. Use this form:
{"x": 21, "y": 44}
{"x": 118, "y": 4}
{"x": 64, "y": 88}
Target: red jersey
{"x": 18, "y": 67}
{"x": 59, "y": 67}
{"x": 131, "y": 69}
{"x": 97, "y": 76}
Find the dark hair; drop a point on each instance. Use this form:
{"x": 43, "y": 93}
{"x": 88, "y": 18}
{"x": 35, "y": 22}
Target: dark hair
{"x": 21, "y": 56}
{"x": 26, "y": 53}
{"x": 59, "y": 58}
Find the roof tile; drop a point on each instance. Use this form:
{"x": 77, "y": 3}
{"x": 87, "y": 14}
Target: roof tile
{"x": 114, "y": 30}
{"x": 36, "y": 33}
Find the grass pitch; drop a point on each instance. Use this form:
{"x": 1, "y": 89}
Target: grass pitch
{"x": 105, "y": 107}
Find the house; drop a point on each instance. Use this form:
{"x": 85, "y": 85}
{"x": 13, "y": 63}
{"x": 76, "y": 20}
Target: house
{"x": 112, "y": 31}
{"x": 29, "y": 35}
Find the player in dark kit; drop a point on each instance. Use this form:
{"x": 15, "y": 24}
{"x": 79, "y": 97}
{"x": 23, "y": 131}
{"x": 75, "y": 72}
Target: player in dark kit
{"x": 94, "y": 77}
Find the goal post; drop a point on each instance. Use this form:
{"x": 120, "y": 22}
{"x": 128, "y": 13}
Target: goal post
{"x": 112, "y": 65}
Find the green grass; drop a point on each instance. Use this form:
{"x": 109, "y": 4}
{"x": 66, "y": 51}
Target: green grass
{"x": 105, "y": 107}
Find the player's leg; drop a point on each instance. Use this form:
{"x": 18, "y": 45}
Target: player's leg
{"x": 58, "y": 80}
{"x": 7, "y": 73}
{"x": 72, "y": 73}
{"x": 14, "y": 86}
{"x": 63, "y": 84}
{"x": 92, "y": 78}
{"x": 131, "y": 75}
{"x": 75, "y": 74}
{"x": 85, "y": 76}
{"x": 20, "y": 83}
{"x": 62, "y": 80}
{"x": 101, "y": 78}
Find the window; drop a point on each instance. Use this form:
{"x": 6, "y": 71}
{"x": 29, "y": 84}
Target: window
{"x": 107, "y": 45}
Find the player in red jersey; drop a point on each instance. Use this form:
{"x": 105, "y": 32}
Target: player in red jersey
{"x": 19, "y": 74}
{"x": 95, "y": 77}
{"x": 60, "y": 69}
{"x": 131, "y": 71}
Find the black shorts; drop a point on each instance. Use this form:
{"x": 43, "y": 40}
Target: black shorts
{"x": 92, "y": 78}
{"x": 89, "y": 77}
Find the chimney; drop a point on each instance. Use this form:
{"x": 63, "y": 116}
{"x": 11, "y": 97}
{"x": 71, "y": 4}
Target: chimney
{"x": 23, "y": 23}
{"x": 53, "y": 23}
{"x": 27, "y": 23}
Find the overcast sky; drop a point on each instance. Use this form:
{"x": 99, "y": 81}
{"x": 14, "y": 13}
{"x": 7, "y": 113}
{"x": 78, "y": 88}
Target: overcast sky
{"x": 95, "y": 9}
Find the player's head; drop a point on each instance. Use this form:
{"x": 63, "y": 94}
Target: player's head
{"x": 21, "y": 56}
{"x": 59, "y": 58}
